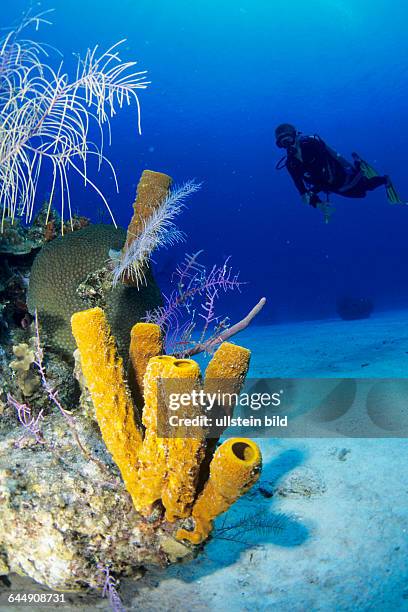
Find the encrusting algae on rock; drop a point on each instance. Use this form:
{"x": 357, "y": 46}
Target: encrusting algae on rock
{"x": 165, "y": 472}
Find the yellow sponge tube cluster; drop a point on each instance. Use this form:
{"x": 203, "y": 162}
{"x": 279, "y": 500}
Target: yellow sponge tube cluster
{"x": 158, "y": 469}
{"x": 167, "y": 467}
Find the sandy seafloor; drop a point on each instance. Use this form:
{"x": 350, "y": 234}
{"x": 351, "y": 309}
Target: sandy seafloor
{"x": 341, "y": 504}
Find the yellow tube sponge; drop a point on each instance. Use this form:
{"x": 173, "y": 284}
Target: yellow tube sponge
{"x": 229, "y": 361}
{"x": 105, "y": 378}
{"x": 225, "y": 374}
{"x": 186, "y": 451}
{"x": 152, "y": 455}
{"x": 152, "y": 189}
{"x": 146, "y": 341}
{"x": 234, "y": 469}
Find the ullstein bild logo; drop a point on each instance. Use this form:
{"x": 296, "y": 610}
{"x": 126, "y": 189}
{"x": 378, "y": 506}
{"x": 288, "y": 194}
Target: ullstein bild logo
{"x": 289, "y": 407}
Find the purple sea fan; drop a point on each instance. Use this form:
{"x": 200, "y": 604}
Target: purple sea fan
{"x": 196, "y": 293}
{"x": 109, "y": 591}
{"x": 30, "y": 423}
{"x": 47, "y": 117}
{"x": 159, "y": 231}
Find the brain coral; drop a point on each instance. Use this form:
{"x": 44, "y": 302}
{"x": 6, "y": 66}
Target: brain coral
{"x": 62, "y": 265}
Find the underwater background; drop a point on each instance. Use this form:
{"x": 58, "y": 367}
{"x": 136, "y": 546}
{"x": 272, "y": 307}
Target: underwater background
{"x": 224, "y": 74}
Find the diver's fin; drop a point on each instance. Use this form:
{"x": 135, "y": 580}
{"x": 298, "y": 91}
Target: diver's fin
{"x": 392, "y": 195}
{"x": 369, "y": 172}
{"x": 365, "y": 168}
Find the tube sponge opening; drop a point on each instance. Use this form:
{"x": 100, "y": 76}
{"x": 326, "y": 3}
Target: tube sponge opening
{"x": 243, "y": 451}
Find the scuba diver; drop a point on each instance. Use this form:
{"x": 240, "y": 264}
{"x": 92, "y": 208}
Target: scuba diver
{"x": 315, "y": 167}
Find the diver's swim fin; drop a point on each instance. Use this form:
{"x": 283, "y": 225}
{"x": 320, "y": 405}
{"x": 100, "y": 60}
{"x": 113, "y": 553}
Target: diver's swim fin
{"x": 392, "y": 195}
{"x": 369, "y": 172}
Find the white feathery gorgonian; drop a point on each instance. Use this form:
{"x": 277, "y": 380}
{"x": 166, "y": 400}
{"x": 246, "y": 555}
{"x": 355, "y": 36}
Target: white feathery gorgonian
{"x": 158, "y": 231}
{"x": 44, "y": 116}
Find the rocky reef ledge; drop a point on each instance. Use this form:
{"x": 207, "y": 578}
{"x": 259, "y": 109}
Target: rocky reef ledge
{"x": 63, "y": 514}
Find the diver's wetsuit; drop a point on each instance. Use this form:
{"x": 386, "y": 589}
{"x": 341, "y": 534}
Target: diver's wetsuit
{"x": 322, "y": 169}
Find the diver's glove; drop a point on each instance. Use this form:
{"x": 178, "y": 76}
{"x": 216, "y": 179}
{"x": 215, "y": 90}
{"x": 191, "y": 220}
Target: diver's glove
{"x": 327, "y": 210}
{"x": 311, "y": 198}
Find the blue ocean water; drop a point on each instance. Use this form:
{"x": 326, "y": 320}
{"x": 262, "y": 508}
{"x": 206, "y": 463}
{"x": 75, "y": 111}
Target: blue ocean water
{"x": 224, "y": 74}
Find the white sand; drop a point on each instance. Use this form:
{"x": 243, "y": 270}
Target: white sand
{"x": 376, "y": 347}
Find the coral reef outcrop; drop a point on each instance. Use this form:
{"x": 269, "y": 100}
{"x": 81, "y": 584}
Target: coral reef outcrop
{"x": 19, "y": 239}
{"x": 58, "y": 270}
{"x": 62, "y": 515}
{"x": 97, "y": 483}
{"x": 351, "y": 308}
{"x": 97, "y": 491}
